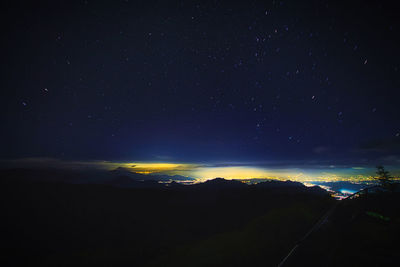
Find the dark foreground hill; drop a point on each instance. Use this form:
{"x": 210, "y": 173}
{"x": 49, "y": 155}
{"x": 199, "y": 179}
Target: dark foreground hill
{"x": 364, "y": 231}
{"x": 217, "y": 223}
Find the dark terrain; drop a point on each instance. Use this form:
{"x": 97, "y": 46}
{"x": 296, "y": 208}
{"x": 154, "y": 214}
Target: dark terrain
{"x": 123, "y": 222}
{"x": 363, "y": 231}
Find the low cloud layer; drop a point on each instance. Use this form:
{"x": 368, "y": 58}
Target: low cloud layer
{"x": 294, "y": 170}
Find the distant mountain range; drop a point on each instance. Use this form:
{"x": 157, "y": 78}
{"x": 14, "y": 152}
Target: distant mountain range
{"x": 72, "y": 218}
{"x": 121, "y": 171}
{"x": 88, "y": 176}
{"x": 121, "y": 177}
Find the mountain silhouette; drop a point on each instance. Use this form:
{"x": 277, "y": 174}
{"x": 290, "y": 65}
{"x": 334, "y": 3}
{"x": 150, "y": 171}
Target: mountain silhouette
{"x": 122, "y": 221}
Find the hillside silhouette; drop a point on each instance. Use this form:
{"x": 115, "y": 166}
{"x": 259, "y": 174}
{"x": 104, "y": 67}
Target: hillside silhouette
{"x": 361, "y": 231}
{"x": 126, "y": 222}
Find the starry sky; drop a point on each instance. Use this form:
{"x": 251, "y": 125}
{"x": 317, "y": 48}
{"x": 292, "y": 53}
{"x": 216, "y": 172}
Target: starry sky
{"x": 230, "y": 83}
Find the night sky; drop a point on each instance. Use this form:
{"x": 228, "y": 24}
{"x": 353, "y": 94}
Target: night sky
{"x": 271, "y": 83}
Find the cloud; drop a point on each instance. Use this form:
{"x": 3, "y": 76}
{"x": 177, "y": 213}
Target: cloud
{"x": 43, "y": 162}
{"x": 321, "y": 150}
{"x": 390, "y": 160}
{"x": 297, "y": 170}
{"x": 389, "y": 145}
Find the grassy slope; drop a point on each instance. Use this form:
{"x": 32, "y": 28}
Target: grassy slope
{"x": 62, "y": 225}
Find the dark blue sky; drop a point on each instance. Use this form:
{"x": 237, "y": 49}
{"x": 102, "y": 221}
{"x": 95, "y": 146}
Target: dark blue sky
{"x": 201, "y": 81}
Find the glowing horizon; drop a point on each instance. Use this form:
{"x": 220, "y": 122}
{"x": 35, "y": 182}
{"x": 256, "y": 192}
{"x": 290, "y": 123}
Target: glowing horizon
{"x": 202, "y": 171}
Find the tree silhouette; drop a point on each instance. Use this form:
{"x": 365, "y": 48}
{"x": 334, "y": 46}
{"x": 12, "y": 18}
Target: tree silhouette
{"x": 383, "y": 176}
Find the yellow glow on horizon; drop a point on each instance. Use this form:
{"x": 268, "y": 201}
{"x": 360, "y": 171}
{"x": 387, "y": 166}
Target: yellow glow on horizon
{"x": 207, "y": 173}
{"x": 158, "y": 167}
{"x": 203, "y": 171}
